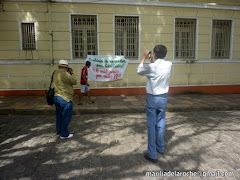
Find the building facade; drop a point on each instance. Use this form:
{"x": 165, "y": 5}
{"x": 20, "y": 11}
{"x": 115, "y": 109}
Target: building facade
{"x": 202, "y": 39}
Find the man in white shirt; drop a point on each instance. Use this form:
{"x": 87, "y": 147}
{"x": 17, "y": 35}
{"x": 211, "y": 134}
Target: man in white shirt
{"x": 157, "y": 86}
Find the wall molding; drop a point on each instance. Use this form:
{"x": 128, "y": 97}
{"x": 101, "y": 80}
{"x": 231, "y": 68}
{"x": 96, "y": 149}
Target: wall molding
{"x": 141, "y": 3}
{"x": 49, "y": 62}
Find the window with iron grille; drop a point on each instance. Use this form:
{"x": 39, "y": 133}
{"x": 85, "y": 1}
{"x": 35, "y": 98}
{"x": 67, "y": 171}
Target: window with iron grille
{"x": 28, "y": 36}
{"x": 127, "y": 36}
{"x": 84, "y": 35}
{"x": 221, "y": 39}
{"x": 185, "y": 38}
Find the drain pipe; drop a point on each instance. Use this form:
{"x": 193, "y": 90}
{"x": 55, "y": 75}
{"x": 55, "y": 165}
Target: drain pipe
{"x": 50, "y": 30}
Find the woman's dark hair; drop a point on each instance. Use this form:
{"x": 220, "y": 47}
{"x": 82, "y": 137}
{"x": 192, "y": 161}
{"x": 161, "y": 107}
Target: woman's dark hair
{"x": 160, "y": 51}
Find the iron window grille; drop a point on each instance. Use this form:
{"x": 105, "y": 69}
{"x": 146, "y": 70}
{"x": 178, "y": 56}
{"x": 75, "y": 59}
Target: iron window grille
{"x": 127, "y": 36}
{"x": 221, "y": 39}
{"x": 185, "y": 38}
{"x": 84, "y": 35}
{"x": 28, "y": 36}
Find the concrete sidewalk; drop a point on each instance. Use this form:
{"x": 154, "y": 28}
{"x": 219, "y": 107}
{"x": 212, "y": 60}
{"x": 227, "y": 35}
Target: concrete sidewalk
{"x": 36, "y": 105}
{"x": 111, "y": 146}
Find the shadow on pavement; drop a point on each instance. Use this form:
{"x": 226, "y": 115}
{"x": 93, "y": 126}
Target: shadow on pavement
{"x": 112, "y": 146}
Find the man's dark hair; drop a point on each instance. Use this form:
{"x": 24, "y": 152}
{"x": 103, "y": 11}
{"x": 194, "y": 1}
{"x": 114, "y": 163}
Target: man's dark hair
{"x": 160, "y": 51}
{"x": 88, "y": 63}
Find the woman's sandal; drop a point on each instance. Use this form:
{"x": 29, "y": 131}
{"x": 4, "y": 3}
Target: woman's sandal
{"x": 80, "y": 104}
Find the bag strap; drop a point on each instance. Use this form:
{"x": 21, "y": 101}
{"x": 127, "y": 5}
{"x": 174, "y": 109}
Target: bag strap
{"x": 52, "y": 79}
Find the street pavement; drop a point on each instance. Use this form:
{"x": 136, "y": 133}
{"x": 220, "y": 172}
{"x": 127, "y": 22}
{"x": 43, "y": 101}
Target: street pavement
{"x": 111, "y": 146}
{"x": 110, "y": 137}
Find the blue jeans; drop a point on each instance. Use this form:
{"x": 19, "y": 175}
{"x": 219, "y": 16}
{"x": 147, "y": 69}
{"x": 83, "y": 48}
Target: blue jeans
{"x": 63, "y": 115}
{"x": 156, "y": 113}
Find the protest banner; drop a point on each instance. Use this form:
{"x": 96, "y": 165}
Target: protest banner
{"x": 106, "y": 68}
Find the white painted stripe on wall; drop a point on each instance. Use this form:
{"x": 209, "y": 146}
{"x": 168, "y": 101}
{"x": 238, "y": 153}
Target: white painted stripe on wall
{"x": 77, "y": 61}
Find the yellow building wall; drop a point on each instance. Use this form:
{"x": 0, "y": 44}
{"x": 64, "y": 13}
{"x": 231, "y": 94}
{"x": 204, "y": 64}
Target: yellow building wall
{"x": 32, "y": 69}
{"x": 38, "y": 76}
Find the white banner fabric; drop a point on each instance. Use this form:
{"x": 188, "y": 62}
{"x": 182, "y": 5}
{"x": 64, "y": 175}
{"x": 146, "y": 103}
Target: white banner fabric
{"x": 106, "y": 68}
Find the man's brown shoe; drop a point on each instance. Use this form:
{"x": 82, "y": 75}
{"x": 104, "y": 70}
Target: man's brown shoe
{"x": 150, "y": 159}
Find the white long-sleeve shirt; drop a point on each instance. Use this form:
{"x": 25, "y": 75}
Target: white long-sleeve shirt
{"x": 157, "y": 74}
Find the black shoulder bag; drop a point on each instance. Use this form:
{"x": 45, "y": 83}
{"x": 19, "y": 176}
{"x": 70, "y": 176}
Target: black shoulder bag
{"x": 50, "y": 93}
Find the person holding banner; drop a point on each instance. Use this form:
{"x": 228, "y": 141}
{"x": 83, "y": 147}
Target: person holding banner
{"x": 84, "y": 84}
{"x": 157, "y": 86}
